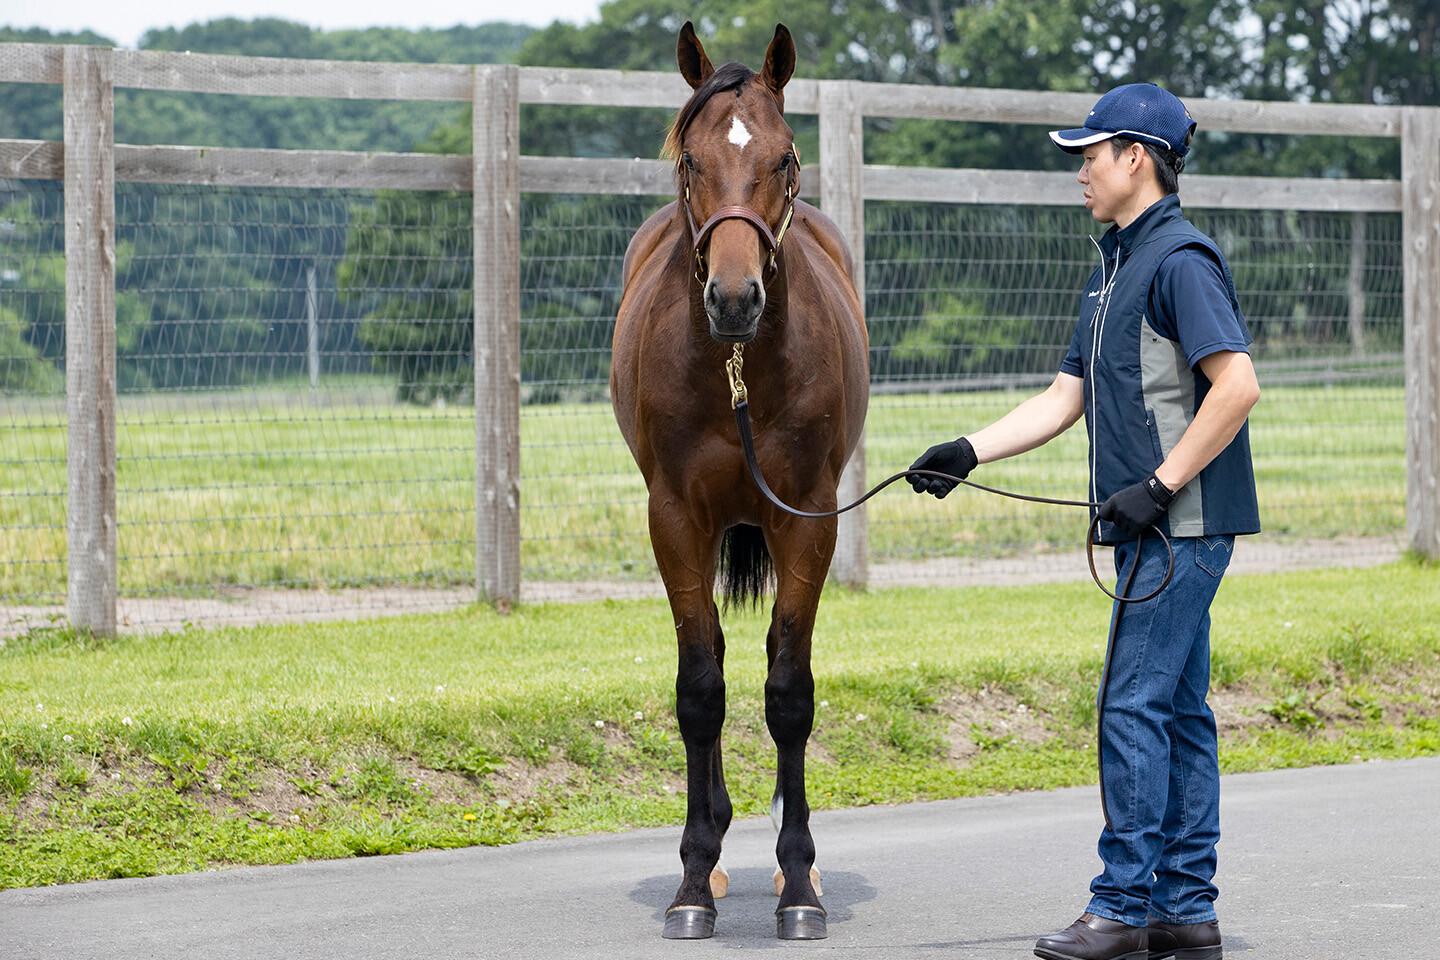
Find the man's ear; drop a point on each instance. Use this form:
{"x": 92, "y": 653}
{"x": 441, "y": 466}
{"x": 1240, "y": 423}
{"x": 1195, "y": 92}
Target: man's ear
{"x": 1136, "y": 156}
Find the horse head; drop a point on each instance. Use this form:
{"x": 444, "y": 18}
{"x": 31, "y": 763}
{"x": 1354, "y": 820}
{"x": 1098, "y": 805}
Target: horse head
{"x": 738, "y": 174}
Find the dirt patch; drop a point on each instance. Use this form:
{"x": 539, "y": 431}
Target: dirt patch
{"x": 986, "y": 718}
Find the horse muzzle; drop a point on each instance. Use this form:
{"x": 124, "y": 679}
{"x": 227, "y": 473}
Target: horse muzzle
{"x": 734, "y": 312}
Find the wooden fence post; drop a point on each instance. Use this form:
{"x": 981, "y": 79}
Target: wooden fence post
{"x": 842, "y": 197}
{"x": 1420, "y": 173}
{"x": 496, "y": 186}
{"x": 89, "y": 125}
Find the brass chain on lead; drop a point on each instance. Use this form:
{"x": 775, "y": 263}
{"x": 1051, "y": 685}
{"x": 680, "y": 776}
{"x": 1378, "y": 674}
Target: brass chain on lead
{"x": 732, "y": 370}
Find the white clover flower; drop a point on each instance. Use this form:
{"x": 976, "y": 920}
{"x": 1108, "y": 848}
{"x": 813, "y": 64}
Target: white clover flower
{"x": 599, "y": 724}
{"x": 68, "y": 739}
{"x": 127, "y": 722}
{"x": 860, "y": 716}
{"x": 824, "y": 703}
{"x": 639, "y": 715}
{"x": 639, "y": 659}
{"x": 440, "y": 688}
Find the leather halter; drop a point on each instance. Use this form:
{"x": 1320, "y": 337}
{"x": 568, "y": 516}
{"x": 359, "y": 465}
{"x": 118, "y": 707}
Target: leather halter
{"x": 737, "y": 212}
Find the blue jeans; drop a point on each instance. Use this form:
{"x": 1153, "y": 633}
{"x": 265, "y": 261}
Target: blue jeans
{"x": 1159, "y": 762}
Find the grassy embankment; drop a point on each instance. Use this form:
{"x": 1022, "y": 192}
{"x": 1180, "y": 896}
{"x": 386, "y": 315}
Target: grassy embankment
{"x": 198, "y": 749}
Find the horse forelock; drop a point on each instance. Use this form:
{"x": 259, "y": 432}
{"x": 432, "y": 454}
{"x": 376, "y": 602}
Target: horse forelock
{"x": 731, "y": 76}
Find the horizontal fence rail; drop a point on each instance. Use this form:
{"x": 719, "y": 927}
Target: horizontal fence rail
{"x": 358, "y": 80}
{"x": 242, "y": 167}
{"x": 1321, "y": 262}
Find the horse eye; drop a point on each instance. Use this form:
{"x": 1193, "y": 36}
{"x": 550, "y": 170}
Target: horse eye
{"x": 689, "y": 162}
{"x": 786, "y": 161}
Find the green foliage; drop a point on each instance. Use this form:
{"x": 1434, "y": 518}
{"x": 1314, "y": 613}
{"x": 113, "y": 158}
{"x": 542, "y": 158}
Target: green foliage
{"x": 472, "y": 761}
{"x": 1297, "y": 709}
{"x": 15, "y": 780}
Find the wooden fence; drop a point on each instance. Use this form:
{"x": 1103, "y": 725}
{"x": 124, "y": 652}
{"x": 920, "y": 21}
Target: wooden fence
{"x": 90, "y": 162}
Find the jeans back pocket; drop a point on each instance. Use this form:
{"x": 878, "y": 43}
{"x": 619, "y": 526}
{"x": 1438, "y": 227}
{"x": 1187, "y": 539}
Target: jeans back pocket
{"x": 1212, "y": 554}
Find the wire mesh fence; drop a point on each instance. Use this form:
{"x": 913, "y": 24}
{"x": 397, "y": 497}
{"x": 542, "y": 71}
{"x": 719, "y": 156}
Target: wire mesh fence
{"x": 296, "y": 422}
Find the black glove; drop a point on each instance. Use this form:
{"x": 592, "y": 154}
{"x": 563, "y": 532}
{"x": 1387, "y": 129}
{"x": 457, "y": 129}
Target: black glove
{"x": 957, "y": 458}
{"x": 1135, "y": 509}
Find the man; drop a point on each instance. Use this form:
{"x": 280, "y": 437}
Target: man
{"x": 1160, "y": 369}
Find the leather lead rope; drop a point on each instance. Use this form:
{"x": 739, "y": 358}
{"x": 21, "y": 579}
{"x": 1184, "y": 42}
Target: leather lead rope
{"x": 739, "y": 401}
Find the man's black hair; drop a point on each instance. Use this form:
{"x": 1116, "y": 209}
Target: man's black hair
{"x": 1167, "y": 163}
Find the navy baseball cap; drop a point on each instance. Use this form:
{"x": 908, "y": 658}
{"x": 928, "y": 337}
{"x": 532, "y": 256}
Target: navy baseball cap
{"x": 1137, "y": 111}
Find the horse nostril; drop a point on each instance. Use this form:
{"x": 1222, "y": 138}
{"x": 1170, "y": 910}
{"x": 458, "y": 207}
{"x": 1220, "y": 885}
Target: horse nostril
{"x": 754, "y": 292}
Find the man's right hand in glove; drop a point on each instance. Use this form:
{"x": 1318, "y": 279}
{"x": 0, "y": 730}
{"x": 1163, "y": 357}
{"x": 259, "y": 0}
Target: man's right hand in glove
{"x": 956, "y": 458}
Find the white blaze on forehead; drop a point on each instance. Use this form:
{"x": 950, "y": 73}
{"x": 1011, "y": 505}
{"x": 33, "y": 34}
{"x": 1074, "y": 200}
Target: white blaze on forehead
{"x": 739, "y": 135}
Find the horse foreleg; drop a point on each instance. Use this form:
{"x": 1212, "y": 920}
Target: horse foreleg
{"x": 790, "y": 716}
{"x": 720, "y": 805}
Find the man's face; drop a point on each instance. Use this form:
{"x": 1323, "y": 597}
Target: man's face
{"x": 1107, "y": 181}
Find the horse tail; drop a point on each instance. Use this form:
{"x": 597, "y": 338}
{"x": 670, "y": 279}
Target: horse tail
{"x": 745, "y": 566}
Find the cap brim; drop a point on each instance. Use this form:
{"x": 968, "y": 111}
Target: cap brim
{"x": 1074, "y": 141}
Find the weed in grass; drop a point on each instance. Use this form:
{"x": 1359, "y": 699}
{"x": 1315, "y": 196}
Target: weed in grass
{"x": 377, "y": 778}
{"x": 984, "y": 739}
{"x": 1364, "y": 702}
{"x": 585, "y": 748}
{"x": 185, "y": 770}
{"x": 379, "y": 838}
{"x": 662, "y": 749}
{"x": 1356, "y": 652}
{"x": 914, "y": 735}
{"x": 307, "y": 788}
{"x": 1296, "y": 709}
{"x": 471, "y": 761}
{"x": 73, "y": 775}
{"x": 15, "y": 780}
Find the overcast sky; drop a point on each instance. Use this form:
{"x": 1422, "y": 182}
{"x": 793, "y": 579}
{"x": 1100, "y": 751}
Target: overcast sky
{"x": 125, "y": 22}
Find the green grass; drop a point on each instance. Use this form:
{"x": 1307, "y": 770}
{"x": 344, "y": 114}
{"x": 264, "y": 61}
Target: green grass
{"x": 221, "y": 490}
{"x": 156, "y": 754}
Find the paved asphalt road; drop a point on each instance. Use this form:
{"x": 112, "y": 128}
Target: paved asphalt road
{"x": 1337, "y": 862}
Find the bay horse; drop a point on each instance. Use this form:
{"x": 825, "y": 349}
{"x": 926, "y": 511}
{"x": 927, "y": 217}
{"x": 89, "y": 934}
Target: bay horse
{"x": 771, "y": 272}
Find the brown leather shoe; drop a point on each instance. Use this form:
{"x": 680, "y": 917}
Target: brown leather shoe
{"x": 1185, "y": 941}
{"x": 1096, "y": 938}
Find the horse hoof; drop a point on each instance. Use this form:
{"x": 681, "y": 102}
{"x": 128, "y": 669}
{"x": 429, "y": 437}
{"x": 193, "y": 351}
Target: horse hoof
{"x": 800, "y": 923}
{"x": 814, "y": 882}
{"x": 719, "y": 882}
{"x": 689, "y": 923}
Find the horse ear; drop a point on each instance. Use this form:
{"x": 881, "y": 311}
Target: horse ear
{"x": 694, "y": 65}
{"x": 779, "y": 60}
